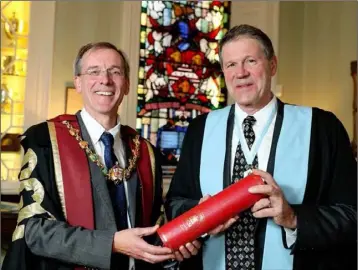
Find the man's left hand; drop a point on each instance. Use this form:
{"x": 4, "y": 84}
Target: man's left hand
{"x": 275, "y": 205}
{"x": 187, "y": 250}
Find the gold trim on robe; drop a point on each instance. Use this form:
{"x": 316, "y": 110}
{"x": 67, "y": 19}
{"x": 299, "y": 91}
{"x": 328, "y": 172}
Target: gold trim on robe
{"x": 152, "y": 164}
{"x": 26, "y": 185}
{"x": 57, "y": 165}
{"x": 18, "y": 233}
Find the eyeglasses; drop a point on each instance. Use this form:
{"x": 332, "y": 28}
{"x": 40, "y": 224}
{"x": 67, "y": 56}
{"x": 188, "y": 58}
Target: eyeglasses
{"x": 112, "y": 72}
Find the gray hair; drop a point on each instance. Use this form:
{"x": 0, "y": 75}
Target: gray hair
{"x": 245, "y": 30}
{"x": 94, "y": 46}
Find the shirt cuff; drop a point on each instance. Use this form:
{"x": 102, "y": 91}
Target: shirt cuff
{"x": 291, "y": 236}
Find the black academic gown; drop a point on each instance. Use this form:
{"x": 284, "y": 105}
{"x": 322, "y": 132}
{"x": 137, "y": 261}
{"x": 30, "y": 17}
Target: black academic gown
{"x": 19, "y": 255}
{"x": 326, "y": 219}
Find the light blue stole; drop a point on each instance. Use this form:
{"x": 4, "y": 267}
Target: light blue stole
{"x": 290, "y": 172}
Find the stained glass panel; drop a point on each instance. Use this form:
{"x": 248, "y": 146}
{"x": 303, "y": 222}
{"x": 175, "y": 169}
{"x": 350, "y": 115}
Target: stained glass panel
{"x": 179, "y": 75}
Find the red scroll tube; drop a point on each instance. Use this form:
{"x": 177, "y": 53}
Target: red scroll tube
{"x": 211, "y": 213}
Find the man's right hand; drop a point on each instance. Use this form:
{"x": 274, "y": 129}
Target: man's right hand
{"x": 130, "y": 243}
{"x": 221, "y": 227}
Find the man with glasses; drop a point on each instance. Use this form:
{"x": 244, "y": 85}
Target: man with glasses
{"x": 91, "y": 188}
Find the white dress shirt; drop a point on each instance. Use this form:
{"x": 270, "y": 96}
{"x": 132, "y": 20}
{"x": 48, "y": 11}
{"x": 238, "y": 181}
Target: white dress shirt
{"x": 95, "y": 131}
{"x": 263, "y": 152}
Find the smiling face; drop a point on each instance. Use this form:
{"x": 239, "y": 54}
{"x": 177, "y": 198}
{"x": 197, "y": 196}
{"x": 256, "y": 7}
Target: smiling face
{"x": 248, "y": 73}
{"x": 102, "y": 82}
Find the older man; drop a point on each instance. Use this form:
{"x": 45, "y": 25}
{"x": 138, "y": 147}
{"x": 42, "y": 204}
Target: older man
{"x": 308, "y": 218}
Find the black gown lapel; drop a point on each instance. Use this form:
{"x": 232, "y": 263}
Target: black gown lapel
{"x": 229, "y": 131}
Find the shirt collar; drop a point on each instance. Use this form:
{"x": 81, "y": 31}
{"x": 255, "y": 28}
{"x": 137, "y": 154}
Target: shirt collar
{"x": 261, "y": 116}
{"x": 95, "y": 129}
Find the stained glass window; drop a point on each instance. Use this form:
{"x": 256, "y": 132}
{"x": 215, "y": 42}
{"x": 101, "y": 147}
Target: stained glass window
{"x": 179, "y": 74}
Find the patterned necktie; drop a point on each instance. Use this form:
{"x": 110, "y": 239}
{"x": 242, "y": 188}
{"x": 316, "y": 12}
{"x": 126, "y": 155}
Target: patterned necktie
{"x": 239, "y": 244}
{"x": 117, "y": 192}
